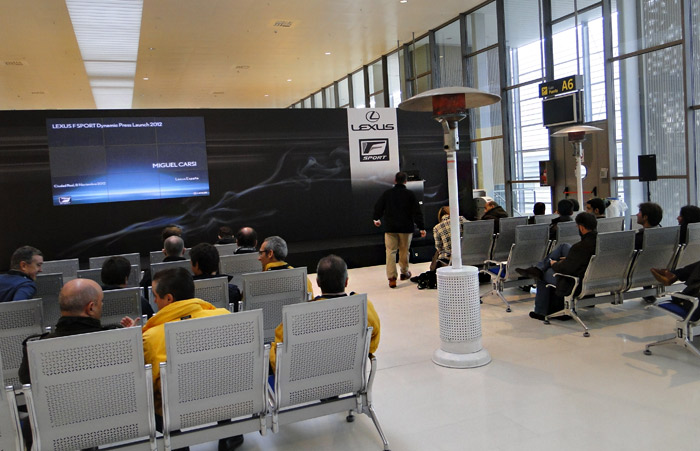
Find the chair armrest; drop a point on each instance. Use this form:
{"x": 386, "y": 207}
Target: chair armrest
{"x": 576, "y": 280}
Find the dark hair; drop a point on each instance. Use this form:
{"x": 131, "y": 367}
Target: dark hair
{"x": 401, "y": 177}
{"x": 23, "y": 254}
{"x": 574, "y": 204}
{"x": 331, "y": 274}
{"x": 174, "y": 246}
{"x": 247, "y": 237}
{"x": 175, "y": 281}
{"x": 690, "y": 214}
{"x": 597, "y": 204}
{"x": 206, "y": 257}
{"x": 565, "y": 207}
{"x": 587, "y": 220}
{"x": 170, "y": 230}
{"x": 115, "y": 271}
{"x": 443, "y": 211}
{"x": 652, "y": 211}
{"x": 539, "y": 208}
{"x": 225, "y": 232}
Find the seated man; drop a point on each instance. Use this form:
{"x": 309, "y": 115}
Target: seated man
{"x": 690, "y": 275}
{"x": 174, "y": 249}
{"x": 225, "y": 235}
{"x": 494, "y": 211}
{"x": 205, "y": 265}
{"x": 332, "y": 278}
{"x": 689, "y": 214}
{"x": 537, "y": 210}
{"x": 170, "y": 230}
{"x": 442, "y": 232}
{"x": 596, "y": 206}
{"x": 115, "y": 275}
{"x": 650, "y": 215}
{"x": 272, "y": 253}
{"x": 565, "y": 208}
{"x": 18, "y": 284}
{"x": 173, "y": 290}
{"x": 247, "y": 240}
{"x": 565, "y": 259}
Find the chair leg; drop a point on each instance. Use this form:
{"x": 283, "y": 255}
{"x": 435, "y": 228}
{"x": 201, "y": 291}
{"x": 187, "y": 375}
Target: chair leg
{"x": 369, "y": 410}
{"x": 683, "y": 338}
{"x": 572, "y": 313}
{"x": 666, "y": 341}
{"x": 499, "y": 292}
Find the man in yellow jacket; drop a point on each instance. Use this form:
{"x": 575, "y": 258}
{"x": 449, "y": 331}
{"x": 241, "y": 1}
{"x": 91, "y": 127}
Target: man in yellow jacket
{"x": 332, "y": 278}
{"x": 173, "y": 292}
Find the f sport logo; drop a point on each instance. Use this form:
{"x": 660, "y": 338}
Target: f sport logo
{"x": 374, "y": 149}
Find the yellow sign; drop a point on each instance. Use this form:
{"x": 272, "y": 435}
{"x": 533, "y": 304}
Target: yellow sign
{"x": 568, "y": 84}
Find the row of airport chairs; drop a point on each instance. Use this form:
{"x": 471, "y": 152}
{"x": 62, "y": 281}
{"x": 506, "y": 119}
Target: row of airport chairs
{"x": 97, "y": 392}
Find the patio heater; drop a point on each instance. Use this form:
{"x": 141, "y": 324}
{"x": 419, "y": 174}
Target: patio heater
{"x": 577, "y": 134}
{"x": 458, "y": 286}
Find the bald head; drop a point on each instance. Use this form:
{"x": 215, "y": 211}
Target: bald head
{"x": 81, "y": 297}
{"x": 174, "y": 246}
{"x": 247, "y": 237}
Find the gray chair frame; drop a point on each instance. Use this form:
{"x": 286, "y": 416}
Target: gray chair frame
{"x": 658, "y": 251}
{"x": 214, "y": 291}
{"x": 567, "y": 232}
{"x": 91, "y": 390}
{"x": 97, "y": 262}
{"x": 237, "y": 265}
{"x": 68, "y": 268}
{"x": 690, "y": 252}
{"x": 226, "y": 249}
{"x": 117, "y": 304}
{"x": 477, "y": 240}
{"x": 48, "y": 286}
{"x": 20, "y": 319}
{"x": 684, "y": 326}
{"x": 333, "y": 337}
{"x": 606, "y": 275}
{"x": 271, "y": 291}
{"x": 155, "y": 267}
{"x": 216, "y": 370}
{"x": 545, "y": 219}
{"x": 159, "y": 256}
{"x": 506, "y": 237}
{"x": 615, "y": 224}
{"x": 530, "y": 247}
{"x": 10, "y": 428}
{"x": 96, "y": 275}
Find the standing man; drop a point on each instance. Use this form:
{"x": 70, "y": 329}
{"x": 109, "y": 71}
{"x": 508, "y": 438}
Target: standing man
{"x": 400, "y": 210}
{"x": 18, "y": 284}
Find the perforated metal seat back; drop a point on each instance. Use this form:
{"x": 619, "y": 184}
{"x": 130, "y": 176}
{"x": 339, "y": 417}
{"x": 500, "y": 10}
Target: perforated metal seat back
{"x": 271, "y": 291}
{"x": 544, "y": 219}
{"x": 477, "y": 239}
{"x": 159, "y": 256}
{"x": 567, "y": 232}
{"x": 8, "y": 430}
{"x": 89, "y": 390}
{"x": 226, "y": 249}
{"x": 606, "y": 225}
{"x": 506, "y": 236}
{"x": 117, "y": 304}
{"x": 237, "y": 265}
{"x": 156, "y": 267}
{"x": 18, "y": 320}
{"x": 67, "y": 267}
{"x": 48, "y": 286}
{"x": 691, "y": 250}
{"x": 216, "y": 369}
{"x": 608, "y": 268}
{"x": 658, "y": 250}
{"x": 94, "y": 274}
{"x": 97, "y": 262}
{"x": 324, "y": 351}
{"x": 529, "y": 248}
{"x": 214, "y": 291}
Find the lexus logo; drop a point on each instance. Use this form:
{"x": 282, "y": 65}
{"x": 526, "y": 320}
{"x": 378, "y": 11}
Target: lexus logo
{"x": 372, "y": 116}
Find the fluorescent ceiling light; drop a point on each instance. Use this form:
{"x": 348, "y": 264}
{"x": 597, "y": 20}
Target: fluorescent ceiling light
{"x": 108, "y": 36}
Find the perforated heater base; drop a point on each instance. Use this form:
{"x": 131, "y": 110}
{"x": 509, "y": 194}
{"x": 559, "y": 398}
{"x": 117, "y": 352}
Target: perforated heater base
{"x": 460, "y": 319}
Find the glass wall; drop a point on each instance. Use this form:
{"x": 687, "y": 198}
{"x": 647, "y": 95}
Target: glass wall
{"x": 449, "y": 50}
{"x": 376, "y": 85}
{"x": 343, "y": 93}
{"x": 396, "y": 76}
{"x": 358, "y": 89}
{"x": 420, "y": 56}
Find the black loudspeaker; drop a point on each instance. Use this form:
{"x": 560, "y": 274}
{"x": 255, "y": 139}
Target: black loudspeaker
{"x": 647, "y": 168}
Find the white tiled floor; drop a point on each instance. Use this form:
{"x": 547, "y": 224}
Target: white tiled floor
{"x": 547, "y": 387}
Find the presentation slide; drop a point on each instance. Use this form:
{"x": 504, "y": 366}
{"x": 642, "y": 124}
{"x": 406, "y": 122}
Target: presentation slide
{"x": 124, "y": 159}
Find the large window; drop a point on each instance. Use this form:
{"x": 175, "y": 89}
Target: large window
{"x": 396, "y": 75}
{"x": 376, "y": 85}
{"x": 419, "y": 52}
{"x": 343, "y": 93}
{"x": 449, "y": 49}
{"x": 358, "y": 89}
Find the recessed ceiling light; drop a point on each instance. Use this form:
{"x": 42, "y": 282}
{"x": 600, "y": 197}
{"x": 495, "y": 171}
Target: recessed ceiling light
{"x": 145, "y": 78}
{"x": 267, "y": 95}
{"x": 289, "y": 79}
{"x": 403, "y": 1}
{"x": 328, "y": 53}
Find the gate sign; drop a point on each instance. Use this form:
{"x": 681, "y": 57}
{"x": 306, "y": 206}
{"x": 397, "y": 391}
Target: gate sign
{"x": 567, "y": 84}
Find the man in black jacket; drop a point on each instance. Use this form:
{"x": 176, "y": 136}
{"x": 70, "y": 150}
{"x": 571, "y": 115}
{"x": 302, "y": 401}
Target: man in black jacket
{"x": 494, "y": 211}
{"x": 399, "y": 208}
{"x": 565, "y": 259}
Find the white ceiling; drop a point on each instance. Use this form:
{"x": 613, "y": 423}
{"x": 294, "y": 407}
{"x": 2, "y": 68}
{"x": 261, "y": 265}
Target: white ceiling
{"x": 211, "y": 53}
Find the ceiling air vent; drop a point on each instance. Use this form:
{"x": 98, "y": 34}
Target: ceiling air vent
{"x": 283, "y": 23}
{"x": 242, "y": 67}
{"x": 218, "y": 93}
{"x": 16, "y": 63}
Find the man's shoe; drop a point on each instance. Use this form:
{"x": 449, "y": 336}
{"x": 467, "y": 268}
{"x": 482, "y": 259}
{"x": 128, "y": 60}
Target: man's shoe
{"x": 231, "y": 443}
{"x": 664, "y": 276}
{"x": 531, "y": 273}
{"x": 534, "y": 315}
{"x": 392, "y": 282}
{"x": 405, "y": 276}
